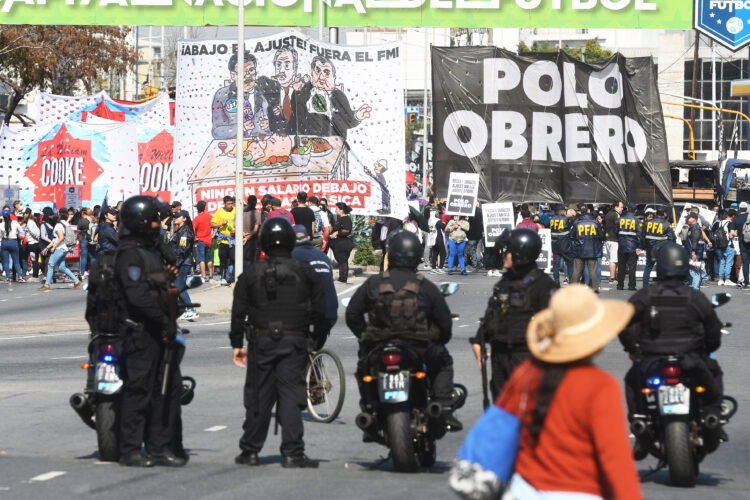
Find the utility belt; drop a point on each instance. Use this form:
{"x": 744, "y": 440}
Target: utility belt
{"x": 275, "y": 331}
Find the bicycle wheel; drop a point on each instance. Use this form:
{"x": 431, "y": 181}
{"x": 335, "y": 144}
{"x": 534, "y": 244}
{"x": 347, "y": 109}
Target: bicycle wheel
{"x": 326, "y": 386}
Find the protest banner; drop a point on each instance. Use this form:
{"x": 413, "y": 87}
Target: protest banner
{"x": 497, "y": 217}
{"x": 322, "y": 118}
{"x": 462, "y": 194}
{"x": 549, "y": 128}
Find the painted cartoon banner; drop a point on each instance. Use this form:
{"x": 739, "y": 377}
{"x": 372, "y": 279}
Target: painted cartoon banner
{"x": 322, "y": 118}
{"x": 43, "y": 161}
{"x": 56, "y": 108}
{"x": 654, "y": 14}
{"x": 549, "y": 128}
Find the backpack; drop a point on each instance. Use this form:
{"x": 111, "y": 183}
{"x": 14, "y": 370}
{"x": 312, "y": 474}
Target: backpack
{"x": 746, "y": 232}
{"x": 721, "y": 240}
{"x": 70, "y": 236}
{"x": 396, "y": 313}
{"x": 103, "y": 313}
{"x": 317, "y": 225}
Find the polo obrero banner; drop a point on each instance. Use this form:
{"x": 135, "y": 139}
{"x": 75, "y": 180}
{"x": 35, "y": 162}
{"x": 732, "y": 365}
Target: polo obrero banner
{"x": 320, "y": 118}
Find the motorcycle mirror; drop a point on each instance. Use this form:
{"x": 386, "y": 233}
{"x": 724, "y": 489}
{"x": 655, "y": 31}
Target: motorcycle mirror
{"x": 448, "y": 288}
{"x": 720, "y": 299}
{"x": 193, "y": 282}
{"x": 345, "y": 301}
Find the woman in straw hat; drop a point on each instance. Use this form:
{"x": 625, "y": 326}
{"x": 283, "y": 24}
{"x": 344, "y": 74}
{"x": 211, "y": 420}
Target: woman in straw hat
{"x": 574, "y": 443}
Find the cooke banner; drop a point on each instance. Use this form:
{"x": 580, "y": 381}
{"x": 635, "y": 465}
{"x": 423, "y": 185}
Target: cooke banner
{"x": 319, "y": 118}
{"x": 549, "y": 129}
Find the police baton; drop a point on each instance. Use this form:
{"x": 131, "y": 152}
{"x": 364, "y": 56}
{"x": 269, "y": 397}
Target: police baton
{"x": 172, "y": 294}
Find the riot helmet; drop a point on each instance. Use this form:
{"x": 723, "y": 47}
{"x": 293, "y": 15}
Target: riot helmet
{"x": 277, "y": 234}
{"x": 525, "y": 246}
{"x": 672, "y": 260}
{"x": 137, "y": 214}
{"x": 404, "y": 250}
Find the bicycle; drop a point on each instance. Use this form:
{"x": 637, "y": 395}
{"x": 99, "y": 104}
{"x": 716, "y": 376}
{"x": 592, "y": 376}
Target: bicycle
{"x": 326, "y": 386}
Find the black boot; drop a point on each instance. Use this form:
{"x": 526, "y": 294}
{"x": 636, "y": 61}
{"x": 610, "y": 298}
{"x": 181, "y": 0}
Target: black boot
{"x": 136, "y": 459}
{"x": 298, "y": 462}
{"x": 168, "y": 459}
{"x": 247, "y": 458}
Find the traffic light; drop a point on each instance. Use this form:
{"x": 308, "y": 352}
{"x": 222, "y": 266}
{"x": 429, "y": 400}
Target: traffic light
{"x": 411, "y": 120}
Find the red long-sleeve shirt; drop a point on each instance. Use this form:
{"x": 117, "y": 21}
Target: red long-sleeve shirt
{"x": 584, "y": 444}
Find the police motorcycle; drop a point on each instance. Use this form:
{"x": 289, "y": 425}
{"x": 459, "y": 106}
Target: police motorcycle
{"x": 400, "y": 414}
{"x": 98, "y": 404}
{"x": 679, "y": 431}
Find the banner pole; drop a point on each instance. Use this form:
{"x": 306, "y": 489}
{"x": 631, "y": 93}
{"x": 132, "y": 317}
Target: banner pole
{"x": 320, "y": 20}
{"x": 424, "y": 118}
{"x": 239, "y": 146}
{"x": 713, "y": 97}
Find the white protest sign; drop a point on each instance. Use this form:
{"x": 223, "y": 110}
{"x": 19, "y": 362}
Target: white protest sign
{"x": 462, "y": 194}
{"x": 497, "y": 217}
{"x": 544, "y": 261}
{"x": 73, "y": 197}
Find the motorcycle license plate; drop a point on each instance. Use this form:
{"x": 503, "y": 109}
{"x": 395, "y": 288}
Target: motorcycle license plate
{"x": 107, "y": 378}
{"x": 674, "y": 400}
{"x": 394, "y": 387}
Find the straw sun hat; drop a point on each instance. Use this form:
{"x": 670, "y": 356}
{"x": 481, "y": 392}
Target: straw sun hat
{"x": 575, "y": 325}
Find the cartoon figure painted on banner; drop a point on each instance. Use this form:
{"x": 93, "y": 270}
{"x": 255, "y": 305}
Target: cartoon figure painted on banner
{"x": 224, "y": 107}
{"x": 380, "y": 167}
{"x": 324, "y": 109}
{"x": 280, "y": 91}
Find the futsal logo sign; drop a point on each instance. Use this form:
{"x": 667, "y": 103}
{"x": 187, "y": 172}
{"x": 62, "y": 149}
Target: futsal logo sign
{"x": 726, "y": 21}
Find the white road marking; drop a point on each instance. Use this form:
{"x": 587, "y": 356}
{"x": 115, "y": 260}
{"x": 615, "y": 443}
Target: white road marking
{"x": 13, "y": 337}
{"x": 71, "y": 357}
{"x": 48, "y": 475}
{"x": 213, "y": 324}
{"x": 350, "y": 289}
{"x": 462, "y": 326}
{"x": 225, "y": 347}
{"x": 4, "y": 488}
{"x": 216, "y": 428}
{"x": 99, "y": 462}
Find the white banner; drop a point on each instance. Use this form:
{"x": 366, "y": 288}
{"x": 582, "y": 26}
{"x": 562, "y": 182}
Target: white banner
{"x": 44, "y": 161}
{"x": 497, "y": 217}
{"x": 56, "y": 108}
{"x": 325, "y": 119}
{"x": 463, "y": 190}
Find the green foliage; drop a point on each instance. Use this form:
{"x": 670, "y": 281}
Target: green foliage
{"x": 361, "y": 229}
{"x": 592, "y": 52}
{"x": 364, "y": 255}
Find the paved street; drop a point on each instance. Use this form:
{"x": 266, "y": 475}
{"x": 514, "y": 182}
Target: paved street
{"x": 46, "y": 452}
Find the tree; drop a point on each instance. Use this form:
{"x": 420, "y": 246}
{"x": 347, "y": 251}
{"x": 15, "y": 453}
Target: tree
{"x": 591, "y": 52}
{"x": 59, "y": 59}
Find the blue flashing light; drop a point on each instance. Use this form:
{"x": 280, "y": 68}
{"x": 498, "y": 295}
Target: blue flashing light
{"x": 108, "y": 358}
{"x": 654, "y": 381}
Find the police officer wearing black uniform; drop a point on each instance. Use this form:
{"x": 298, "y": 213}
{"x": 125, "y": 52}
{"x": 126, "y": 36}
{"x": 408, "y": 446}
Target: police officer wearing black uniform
{"x": 672, "y": 319}
{"x": 423, "y": 320}
{"x": 655, "y": 232}
{"x": 144, "y": 277}
{"x": 562, "y": 250}
{"x": 523, "y": 291}
{"x": 276, "y": 301}
{"x": 628, "y": 242}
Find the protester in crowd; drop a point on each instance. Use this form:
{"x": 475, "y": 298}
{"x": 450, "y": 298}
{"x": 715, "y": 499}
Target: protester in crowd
{"x": 723, "y": 249}
{"x": 734, "y": 238}
{"x": 181, "y": 244}
{"x": 610, "y": 250}
{"x": 456, "y": 232}
{"x": 33, "y": 233}
{"x": 223, "y": 221}
{"x": 108, "y": 238}
{"x": 536, "y": 219}
{"x": 251, "y": 226}
{"x": 321, "y": 226}
{"x": 473, "y": 236}
{"x": 574, "y": 440}
{"x": 277, "y": 211}
{"x": 526, "y": 222}
{"x": 57, "y": 250}
{"x": 430, "y": 237}
{"x": 11, "y": 233}
{"x": 693, "y": 244}
{"x": 741, "y": 227}
{"x": 23, "y": 246}
{"x": 202, "y": 229}
{"x": 302, "y": 214}
{"x": 17, "y": 212}
{"x": 45, "y": 236}
{"x": 412, "y": 226}
{"x": 84, "y": 227}
{"x": 324, "y": 207}
{"x": 441, "y": 249}
{"x": 341, "y": 238}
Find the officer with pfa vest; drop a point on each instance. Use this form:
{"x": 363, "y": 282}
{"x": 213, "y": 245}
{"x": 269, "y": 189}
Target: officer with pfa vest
{"x": 672, "y": 319}
{"x": 628, "y": 243}
{"x": 401, "y": 304}
{"x": 562, "y": 251}
{"x": 523, "y": 291}
{"x": 587, "y": 238}
{"x": 146, "y": 416}
{"x": 656, "y": 232}
{"x": 276, "y": 302}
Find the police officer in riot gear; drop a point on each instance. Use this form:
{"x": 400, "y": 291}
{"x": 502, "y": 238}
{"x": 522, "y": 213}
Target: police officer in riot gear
{"x": 561, "y": 249}
{"x": 423, "y": 319}
{"x": 144, "y": 277}
{"x": 655, "y": 232}
{"x": 628, "y": 243}
{"x": 523, "y": 291}
{"x": 276, "y": 302}
{"x": 672, "y": 319}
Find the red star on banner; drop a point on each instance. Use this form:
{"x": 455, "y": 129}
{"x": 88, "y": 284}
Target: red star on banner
{"x": 61, "y": 162}
{"x": 102, "y": 111}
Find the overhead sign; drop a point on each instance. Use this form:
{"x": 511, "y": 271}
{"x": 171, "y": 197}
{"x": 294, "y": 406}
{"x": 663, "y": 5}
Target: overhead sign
{"x": 725, "y": 21}
{"x": 637, "y": 14}
{"x": 549, "y": 128}
{"x": 462, "y": 194}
